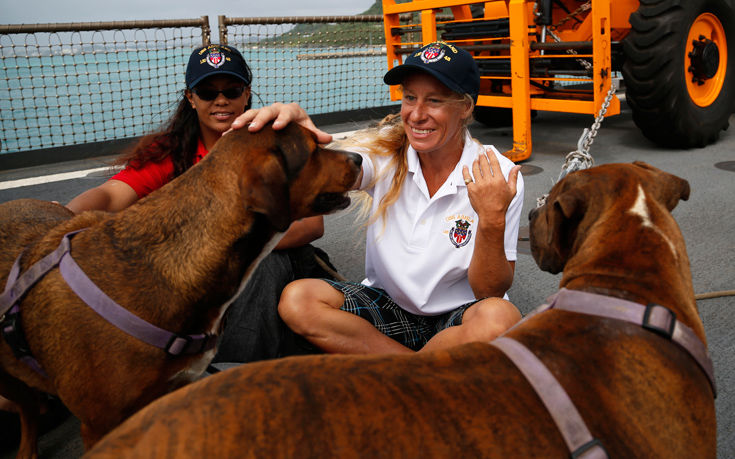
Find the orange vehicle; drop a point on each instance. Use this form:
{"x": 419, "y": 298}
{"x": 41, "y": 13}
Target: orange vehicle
{"x": 676, "y": 59}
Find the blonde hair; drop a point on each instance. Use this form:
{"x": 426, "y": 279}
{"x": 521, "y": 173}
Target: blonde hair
{"x": 387, "y": 139}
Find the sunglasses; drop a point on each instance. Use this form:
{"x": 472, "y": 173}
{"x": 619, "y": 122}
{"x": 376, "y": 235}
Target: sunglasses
{"x": 211, "y": 94}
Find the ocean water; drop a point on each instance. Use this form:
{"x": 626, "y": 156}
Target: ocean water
{"x": 80, "y": 97}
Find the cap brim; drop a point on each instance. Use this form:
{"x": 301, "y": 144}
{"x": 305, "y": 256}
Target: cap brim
{"x": 396, "y": 75}
{"x": 218, "y": 72}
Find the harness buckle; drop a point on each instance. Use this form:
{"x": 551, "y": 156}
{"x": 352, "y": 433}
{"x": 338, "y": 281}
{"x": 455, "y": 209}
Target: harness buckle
{"x": 660, "y": 320}
{"x": 13, "y": 334}
{"x": 178, "y": 345}
{"x": 594, "y": 443}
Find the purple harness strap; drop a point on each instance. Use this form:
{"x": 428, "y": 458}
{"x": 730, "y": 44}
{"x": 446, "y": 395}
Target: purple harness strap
{"x": 576, "y": 435}
{"x": 125, "y": 320}
{"x": 654, "y": 317}
{"x": 16, "y": 286}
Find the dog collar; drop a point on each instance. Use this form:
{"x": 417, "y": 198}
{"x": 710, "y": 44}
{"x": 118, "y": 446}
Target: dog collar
{"x": 654, "y": 317}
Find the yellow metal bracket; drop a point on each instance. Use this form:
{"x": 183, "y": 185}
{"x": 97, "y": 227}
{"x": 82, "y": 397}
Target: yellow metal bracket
{"x": 519, "y": 91}
{"x": 520, "y": 82}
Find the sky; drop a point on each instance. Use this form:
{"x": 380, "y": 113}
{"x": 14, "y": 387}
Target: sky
{"x": 42, "y": 11}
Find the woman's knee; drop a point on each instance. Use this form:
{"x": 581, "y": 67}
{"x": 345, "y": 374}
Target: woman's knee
{"x": 295, "y": 297}
{"x": 491, "y": 317}
{"x": 303, "y": 298}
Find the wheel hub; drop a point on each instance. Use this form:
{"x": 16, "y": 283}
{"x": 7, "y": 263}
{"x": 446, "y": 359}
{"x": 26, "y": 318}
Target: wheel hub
{"x": 705, "y": 59}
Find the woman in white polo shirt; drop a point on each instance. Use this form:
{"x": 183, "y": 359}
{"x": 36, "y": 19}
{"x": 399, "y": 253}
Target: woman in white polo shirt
{"x": 441, "y": 242}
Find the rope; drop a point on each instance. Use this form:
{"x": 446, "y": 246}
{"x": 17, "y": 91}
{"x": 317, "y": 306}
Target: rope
{"x": 322, "y": 264}
{"x": 710, "y": 295}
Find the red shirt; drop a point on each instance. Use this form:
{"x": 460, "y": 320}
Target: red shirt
{"x": 153, "y": 174}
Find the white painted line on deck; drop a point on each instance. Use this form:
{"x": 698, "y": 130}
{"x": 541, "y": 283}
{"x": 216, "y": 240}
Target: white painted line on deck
{"x": 49, "y": 178}
{"x": 9, "y": 184}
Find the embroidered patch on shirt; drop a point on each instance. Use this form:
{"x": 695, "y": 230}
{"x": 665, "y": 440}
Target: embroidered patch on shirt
{"x": 461, "y": 234}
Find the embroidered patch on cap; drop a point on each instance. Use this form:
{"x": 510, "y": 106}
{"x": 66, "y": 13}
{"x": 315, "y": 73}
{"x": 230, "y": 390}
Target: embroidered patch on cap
{"x": 461, "y": 234}
{"x": 215, "y": 58}
{"x": 432, "y": 54}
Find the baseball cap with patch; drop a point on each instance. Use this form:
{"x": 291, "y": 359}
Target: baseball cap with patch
{"x": 216, "y": 60}
{"x": 452, "y": 66}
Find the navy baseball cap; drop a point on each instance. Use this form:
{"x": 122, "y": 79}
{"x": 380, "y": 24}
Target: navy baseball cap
{"x": 216, "y": 60}
{"x": 452, "y": 66}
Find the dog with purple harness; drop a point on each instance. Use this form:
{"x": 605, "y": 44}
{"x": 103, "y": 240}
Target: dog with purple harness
{"x": 110, "y": 311}
{"x": 614, "y": 365}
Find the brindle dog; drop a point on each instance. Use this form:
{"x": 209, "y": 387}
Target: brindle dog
{"x": 610, "y": 230}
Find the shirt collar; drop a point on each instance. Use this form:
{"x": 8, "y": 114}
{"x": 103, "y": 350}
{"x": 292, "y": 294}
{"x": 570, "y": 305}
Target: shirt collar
{"x": 471, "y": 150}
{"x": 201, "y": 151}
{"x": 412, "y": 157}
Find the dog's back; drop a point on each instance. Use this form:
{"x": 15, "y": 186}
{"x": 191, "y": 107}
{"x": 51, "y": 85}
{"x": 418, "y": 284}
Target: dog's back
{"x": 24, "y": 221}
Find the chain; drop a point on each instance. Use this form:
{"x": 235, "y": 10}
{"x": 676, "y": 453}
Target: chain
{"x": 584, "y": 7}
{"x": 550, "y": 30}
{"x": 592, "y": 133}
{"x": 586, "y": 64}
{"x": 580, "y": 158}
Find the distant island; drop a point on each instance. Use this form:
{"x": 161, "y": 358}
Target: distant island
{"x": 340, "y": 34}
{"x": 336, "y": 34}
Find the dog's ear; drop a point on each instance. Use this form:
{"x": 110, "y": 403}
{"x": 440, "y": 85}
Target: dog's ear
{"x": 296, "y": 144}
{"x": 572, "y": 202}
{"x": 563, "y": 216}
{"x": 268, "y": 193}
{"x": 666, "y": 188}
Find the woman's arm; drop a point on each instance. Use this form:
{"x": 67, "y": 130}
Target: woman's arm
{"x": 112, "y": 196}
{"x": 302, "y": 232}
{"x": 490, "y": 273}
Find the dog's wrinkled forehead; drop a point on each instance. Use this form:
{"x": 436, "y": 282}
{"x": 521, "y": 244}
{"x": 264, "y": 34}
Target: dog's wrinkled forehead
{"x": 610, "y": 180}
{"x": 296, "y": 144}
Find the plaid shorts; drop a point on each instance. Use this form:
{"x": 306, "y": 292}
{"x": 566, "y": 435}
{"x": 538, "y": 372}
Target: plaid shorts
{"x": 375, "y": 306}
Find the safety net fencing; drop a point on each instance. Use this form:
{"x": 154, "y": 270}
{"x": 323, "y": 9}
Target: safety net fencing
{"x": 326, "y": 64}
{"x": 74, "y": 83}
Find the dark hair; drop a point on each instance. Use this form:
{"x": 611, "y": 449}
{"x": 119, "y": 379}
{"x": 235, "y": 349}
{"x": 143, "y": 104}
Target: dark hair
{"x": 178, "y": 138}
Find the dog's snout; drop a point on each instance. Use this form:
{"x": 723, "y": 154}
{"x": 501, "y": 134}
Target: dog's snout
{"x": 355, "y": 158}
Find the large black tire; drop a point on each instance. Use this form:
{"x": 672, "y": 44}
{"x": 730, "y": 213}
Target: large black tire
{"x": 496, "y": 116}
{"x": 668, "y": 107}
{"x": 493, "y": 116}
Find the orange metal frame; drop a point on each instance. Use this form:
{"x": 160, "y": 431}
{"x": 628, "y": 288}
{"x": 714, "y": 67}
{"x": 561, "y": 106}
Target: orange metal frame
{"x": 518, "y": 93}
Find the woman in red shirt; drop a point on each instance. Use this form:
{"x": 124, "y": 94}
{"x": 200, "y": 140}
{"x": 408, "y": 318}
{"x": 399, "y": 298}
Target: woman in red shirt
{"x": 217, "y": 91}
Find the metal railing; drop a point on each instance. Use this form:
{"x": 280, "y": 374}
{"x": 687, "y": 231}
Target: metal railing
{"x": 75, "y": 83}
{"x": 327, "y": 64}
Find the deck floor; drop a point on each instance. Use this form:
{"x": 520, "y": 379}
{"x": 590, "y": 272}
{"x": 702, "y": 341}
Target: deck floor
{"x": 706, "y": 221}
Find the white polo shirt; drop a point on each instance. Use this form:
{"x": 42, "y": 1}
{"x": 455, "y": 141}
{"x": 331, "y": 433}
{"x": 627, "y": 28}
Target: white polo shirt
{"x": 422, "y": 254}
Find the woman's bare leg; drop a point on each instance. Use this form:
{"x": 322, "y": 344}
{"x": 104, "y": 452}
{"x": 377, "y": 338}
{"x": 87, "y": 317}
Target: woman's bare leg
{"x": 311, "y": 308}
